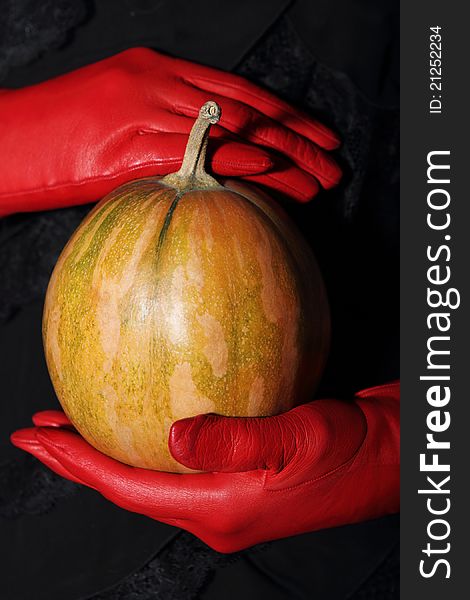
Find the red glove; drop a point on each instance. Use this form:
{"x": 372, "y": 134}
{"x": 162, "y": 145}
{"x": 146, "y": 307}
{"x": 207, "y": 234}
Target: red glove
{"x": 73, "y": 139}
{"x": 322, "y": 464}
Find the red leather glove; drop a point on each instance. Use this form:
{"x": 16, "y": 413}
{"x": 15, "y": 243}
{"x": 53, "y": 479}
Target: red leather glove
{"x": 319, "y": 465}
{"x": 73, "y": 139}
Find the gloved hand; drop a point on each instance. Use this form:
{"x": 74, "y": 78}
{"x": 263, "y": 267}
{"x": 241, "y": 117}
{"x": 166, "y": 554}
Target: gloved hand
{"x": 322, "y": 464}
{"x": 73, "y": 139}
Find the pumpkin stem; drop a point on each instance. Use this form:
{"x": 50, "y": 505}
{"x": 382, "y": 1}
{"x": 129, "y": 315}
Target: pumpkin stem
{"x": 192, "y": 173}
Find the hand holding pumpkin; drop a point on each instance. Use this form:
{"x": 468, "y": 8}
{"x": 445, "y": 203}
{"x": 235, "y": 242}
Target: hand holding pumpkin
{"x": 128, "y": 116}
{"x": 322, "y": 464}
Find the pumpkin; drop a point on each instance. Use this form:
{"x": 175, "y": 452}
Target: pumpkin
{"x": 178, "y": 296}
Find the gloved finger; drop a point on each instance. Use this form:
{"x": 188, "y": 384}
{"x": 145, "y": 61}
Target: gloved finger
{"x": 52, "y": 418}
{"x": 306, "y": 435}
{"x": 289, "y": 180}
{"x": 195, "y": 512}
{"x": 139, "y": 159}
{"x": 26, "y": 439}
{"x": 156, "y": 494}
{"x": 38, "y": 443}
{"x": 387, "y": 390}
{"x": 249, "y": 124}
{"x": 235, "y": 159}
{"x": 248, "y": 93}
{"x": 225, "y": 156}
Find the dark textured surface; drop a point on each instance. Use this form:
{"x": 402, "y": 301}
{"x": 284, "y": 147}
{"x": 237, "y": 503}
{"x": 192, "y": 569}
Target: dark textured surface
{"x": 28, "y": 28}
{"x": 29, "y": 247}
{"x": 353, "y": 229}
{"x": 384, "y": 583}
{"x": 162, "y": 576}
{"x": 27, "y": 488}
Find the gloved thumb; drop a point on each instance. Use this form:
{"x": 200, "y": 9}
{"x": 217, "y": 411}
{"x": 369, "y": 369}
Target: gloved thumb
{"x": 323, "y": 434}
{"x": 229, "y": 444}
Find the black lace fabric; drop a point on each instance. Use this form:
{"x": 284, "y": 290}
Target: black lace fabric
{"x": 369, "y": 133}
{"x": 163, "y": 576}
{"x": 384, "y": 584}
{"x": 28, "y": 28}
{"x": 28, "y": 488}
{"x": 30, "y": 244}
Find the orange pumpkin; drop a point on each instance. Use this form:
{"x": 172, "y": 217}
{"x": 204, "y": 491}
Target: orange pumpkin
{"x": 179, "y": 296}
